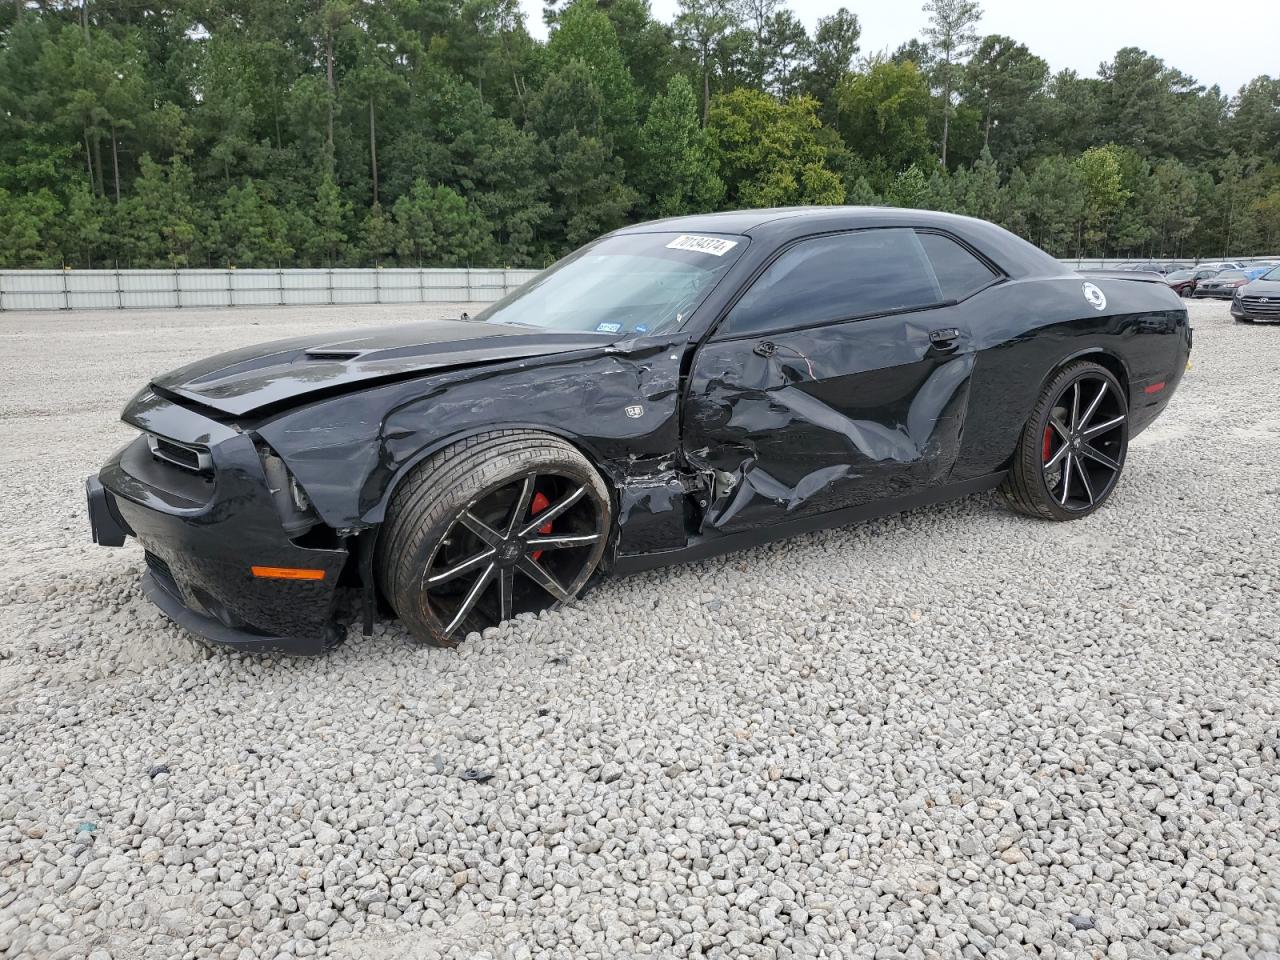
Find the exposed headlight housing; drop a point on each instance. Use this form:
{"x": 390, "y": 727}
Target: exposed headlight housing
{"x": 292, "y": 502}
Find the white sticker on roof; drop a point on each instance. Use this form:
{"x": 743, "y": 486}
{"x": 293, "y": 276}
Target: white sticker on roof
{"x": 716, "y": 246}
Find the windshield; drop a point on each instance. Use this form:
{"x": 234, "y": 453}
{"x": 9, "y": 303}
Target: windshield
{"x": 1273, "y": 275}
{"x": 1230, "y": 275}
{"x": 1179, "y": 275}
{"x": 638, "y": 283}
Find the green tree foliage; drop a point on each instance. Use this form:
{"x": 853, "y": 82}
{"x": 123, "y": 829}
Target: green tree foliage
{"x": 251, "y": 229}
{"x": 313, "y": 132}
{"x": 157, "y": 224}
{"x": 326, "y": 239}
{"x": 882, "y": 115}
{"x": 1098, "y": 170}
{"x": 835, "y": 44}
{"x": 436, "y": 225}
{"x": 770, "y": 153}
{"x": 1002, "y": 80}
{"x": 704, "y": 29}
{"x": 679, "y": 171}
{"x": 951, "y": 35}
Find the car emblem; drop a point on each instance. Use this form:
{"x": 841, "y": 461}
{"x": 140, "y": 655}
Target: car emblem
{"x": 634, "y": 412}
{"x": 1095, "y": 297}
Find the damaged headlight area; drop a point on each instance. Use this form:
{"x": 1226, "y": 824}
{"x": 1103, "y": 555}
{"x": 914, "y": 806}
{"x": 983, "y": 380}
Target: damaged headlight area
{"x": 297, "y": 516}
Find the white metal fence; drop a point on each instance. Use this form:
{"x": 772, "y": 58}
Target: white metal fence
{"x": 1094, "y": 264}
{"x": 138, "y": 289}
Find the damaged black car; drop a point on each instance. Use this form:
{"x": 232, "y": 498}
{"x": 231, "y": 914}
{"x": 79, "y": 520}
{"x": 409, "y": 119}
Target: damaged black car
{"x": 668, "y": 392}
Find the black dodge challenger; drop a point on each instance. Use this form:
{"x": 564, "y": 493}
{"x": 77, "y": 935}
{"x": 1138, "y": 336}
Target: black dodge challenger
{"x": 668, "y": 392}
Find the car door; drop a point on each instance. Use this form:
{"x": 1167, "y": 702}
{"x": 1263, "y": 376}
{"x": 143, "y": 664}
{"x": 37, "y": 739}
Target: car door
{"x": 838, "y": 377}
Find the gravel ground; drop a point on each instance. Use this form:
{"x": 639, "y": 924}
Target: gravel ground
{"x": 956, "y": 732}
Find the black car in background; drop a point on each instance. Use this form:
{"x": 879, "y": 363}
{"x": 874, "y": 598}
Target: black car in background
{"x": 1259, "y": 299}
{"x": 671, "y": 391}
{"x": 1223, "y": 286}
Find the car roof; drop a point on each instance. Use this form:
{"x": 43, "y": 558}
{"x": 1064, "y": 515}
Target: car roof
{"x": 778, "y": 225}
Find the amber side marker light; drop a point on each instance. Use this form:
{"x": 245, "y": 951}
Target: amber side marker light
{"x": 287, "y": 573}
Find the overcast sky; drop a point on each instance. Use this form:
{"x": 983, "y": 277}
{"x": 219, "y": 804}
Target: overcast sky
{"x": 1226, "y": 45}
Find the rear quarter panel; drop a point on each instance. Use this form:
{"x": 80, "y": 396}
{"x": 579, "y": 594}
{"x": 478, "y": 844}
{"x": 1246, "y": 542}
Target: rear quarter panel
{"x": 1025, "y": 330}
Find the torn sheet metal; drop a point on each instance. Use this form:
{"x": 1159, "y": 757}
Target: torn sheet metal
{"x": 618, "y": 403}
{"x": 821, "y": 419}
{"x": 651, "y": 508}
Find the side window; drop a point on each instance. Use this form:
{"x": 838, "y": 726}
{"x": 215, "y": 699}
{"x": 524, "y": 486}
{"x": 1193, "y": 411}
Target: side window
{"x": 959, "y": 272}
{"x": 839, "y": 277}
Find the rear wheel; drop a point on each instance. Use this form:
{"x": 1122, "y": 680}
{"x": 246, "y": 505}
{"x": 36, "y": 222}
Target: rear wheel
{"x": 1073, "y": 447}
{"x": 504, "y": 523}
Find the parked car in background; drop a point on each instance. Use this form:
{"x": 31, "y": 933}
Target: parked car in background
{"x": 1259, "y": 299}
{"x": 1184, "y": 282}
{"x": 1223, "y": 286}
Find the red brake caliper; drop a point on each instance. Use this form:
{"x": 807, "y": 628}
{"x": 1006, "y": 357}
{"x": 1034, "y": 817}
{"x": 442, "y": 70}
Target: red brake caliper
{"x": 540, "y": 503}
{"x": 1048, "y": 435}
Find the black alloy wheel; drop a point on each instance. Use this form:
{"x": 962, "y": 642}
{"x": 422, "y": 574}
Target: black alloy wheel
{"x": 1084, "y": 442}
{"x": 1073, "y": 447}
{"x": 500, "y": 524}
{"x": 520, "y": 548}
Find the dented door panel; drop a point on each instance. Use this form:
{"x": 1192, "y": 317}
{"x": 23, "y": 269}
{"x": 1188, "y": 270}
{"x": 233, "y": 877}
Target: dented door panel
{"x": 808, "y": 421}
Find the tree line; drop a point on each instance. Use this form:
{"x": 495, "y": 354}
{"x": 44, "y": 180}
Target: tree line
{"x": 441, "y": 133}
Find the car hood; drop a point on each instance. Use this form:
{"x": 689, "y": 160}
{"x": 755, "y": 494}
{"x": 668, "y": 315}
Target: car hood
{"x": 287, "y": 371}
{"x": 1261, "y": 288}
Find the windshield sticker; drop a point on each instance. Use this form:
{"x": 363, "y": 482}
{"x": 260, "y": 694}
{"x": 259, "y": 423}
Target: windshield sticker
{"x": 716, "y": 246}
{"x": 608, "y": 327}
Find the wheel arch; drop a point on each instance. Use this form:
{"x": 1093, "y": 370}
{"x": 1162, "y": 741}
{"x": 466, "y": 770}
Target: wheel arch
{"x": 1111, "y": 361}
{"x": 1098, "y": 354}
{"x": 376, "y": 514}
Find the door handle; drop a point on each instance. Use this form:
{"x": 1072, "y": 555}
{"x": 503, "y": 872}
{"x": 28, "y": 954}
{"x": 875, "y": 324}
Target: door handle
{"x": 945, "y": 339}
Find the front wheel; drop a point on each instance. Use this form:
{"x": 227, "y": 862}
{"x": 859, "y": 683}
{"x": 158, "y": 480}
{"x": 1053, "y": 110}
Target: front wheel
{"x": 1073, "y": 447}
{"x": 505, "y": 523}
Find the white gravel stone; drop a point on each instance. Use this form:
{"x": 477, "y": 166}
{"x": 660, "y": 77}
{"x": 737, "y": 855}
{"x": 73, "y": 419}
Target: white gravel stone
{"x": 950, "y": 733}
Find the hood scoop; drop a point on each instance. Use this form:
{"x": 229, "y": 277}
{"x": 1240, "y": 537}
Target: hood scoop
{"x": 332, "y": 356}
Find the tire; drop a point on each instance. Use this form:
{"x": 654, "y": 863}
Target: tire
{"x": 466, "y": 515}
{"x": 1072, "y": 449}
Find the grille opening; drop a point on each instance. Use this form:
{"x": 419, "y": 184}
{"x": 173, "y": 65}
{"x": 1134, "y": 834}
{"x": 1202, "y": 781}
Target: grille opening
{"x": 161, "y": 571}
{"x": 1262, "y": 306}
{"x": 193, "y": 459}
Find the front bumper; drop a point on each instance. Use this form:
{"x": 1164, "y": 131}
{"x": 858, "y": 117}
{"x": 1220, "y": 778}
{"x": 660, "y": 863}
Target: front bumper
{"x": 1224, "y": 294}
{"x": 201, "y": 545}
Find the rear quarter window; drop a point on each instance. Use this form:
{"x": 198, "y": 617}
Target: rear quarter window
{"x": 960, "y": 274}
